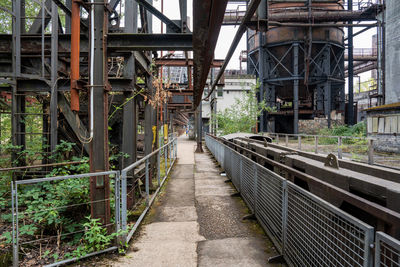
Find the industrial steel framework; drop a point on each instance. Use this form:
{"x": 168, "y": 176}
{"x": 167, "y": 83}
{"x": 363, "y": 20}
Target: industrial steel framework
{"x": 98, "y": 57}
{"x": 325, "y": 70}
{"x": 329, "y": 71}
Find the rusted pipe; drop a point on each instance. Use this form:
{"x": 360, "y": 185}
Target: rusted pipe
{"x": 75, "y": 43}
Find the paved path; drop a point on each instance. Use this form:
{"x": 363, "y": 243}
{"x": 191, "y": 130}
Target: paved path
{"x": 196, "y": 222}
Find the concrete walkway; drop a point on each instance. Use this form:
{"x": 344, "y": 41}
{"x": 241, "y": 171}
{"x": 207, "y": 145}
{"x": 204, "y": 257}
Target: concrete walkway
{"x": 196, "y": 222}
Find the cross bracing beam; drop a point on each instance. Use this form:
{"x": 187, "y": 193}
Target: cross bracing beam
{"x": 122, "y": 42}
{"x": 170, "y": 24}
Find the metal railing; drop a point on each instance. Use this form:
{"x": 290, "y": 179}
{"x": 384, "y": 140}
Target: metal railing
{"x": 165, "y": 158}
{"x": 357, "y": 148}
{"x": 305, "y": 229}
{"x": 387, "y": 251}
{"x": 45, "y": 206}
{"x": 169, "y": 151}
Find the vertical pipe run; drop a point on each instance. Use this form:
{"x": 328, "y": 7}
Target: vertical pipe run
{"x": 75, "y": 43}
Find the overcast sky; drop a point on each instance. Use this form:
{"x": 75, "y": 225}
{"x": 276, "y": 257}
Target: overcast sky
{"x": 171, "y": 10}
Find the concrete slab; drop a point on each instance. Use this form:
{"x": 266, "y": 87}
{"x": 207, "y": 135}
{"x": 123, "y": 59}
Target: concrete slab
{"x": 185, "y": 150}
{"x": 221, "y": 217}
{"x": 176, "y": 214}
{"x": 197, "y": 222}
{"x": 165, "y": 244}
{"x": 212, "y": 187}
{"x": 163, "y": 254}
{"x": 233, "y": 252}
{"x": 183, "y": 171}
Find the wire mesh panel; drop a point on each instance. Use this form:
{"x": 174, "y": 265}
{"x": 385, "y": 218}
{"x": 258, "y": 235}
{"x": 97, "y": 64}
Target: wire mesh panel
{"x": 269, "y": 202}
{"x": 52, "y": 218}
{"x": 387, "y": 251}
{"x": 228, "y": 162}
{"x": 319, "y": 234}
{"x": 235, "y": 176}
{"x": 247, "y": 182}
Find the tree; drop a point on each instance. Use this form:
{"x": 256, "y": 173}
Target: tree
{"x": 242, "y": 115}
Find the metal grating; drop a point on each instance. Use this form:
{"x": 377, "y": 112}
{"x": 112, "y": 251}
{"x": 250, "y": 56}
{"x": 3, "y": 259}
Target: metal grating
{"x": 319, "y": 234}
{"x": 269, "y": 201}
{"x": 305, "y": 229}
{"x": 247, "y": 182}
{"x": 236, "y": 170}
{"x": 227, "y": 163}
{"x": 387, "y": 251}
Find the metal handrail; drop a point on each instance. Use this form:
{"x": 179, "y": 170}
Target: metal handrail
{"x": 143, "y": 160}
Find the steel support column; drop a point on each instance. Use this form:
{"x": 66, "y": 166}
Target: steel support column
{"x": 350, "y": 107}
{"x": 326, "y": 66}
{"x": 150, "y": 127}
{"x": 54, "y": 75}
{"x": 99, "y": 158}
{"x": 199, "y": 129}
{"x": 262, "y": 14}
{"x": 296, "y": 88}
{"x": 130, "y": 114}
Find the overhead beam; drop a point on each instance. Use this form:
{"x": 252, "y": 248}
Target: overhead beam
{"x": 117, "y": 42}
{"x": 232, "y": 18}
{"x": 207, "y": 19}
{"x": 150, "y": 42}
{"x": 182, "y": 62}
{"x": 251, "y": 9}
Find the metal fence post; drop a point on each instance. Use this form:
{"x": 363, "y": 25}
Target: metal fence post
{"x": 277, "y": 139}
{"x": 158, "y": 167}
{"x": 370, "y": 151}
{"x": 284, "y": 214}
{"x": 16, "y": 249}
{"x": 377, "y": 250}
{"x": 287, "y": 140}
{"x": 14, "y": 238}
{"x": 147, "y": 182}
{"x": 299, "y": 140}
{"x": 165, "y": 160}
{"x": 255, "y": 187}
{"x": 123, "y": 200}
{"x": 339, "y": 147}
{"x": 117, "y": 202}
{"x": 316, "y": 144}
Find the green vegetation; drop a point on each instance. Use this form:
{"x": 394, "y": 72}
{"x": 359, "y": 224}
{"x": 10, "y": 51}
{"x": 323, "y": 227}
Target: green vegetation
{"x": 242, "y": 115}
{"x": 358, "y": 130}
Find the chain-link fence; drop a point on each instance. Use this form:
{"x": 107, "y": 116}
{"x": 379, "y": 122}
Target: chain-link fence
{"x": 305, "y": 229}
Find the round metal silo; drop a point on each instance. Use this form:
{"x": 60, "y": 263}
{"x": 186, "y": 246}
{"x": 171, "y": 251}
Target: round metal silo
{"x": 300, "y": 67}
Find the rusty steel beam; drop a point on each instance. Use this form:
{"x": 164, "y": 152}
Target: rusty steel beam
{"x": 182, "y": 62}
{"x": 303, "y": 16}
{"x": 251, "y": 9}
{"x": 75, "y": 43}
{"x": 207, "y": 20}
